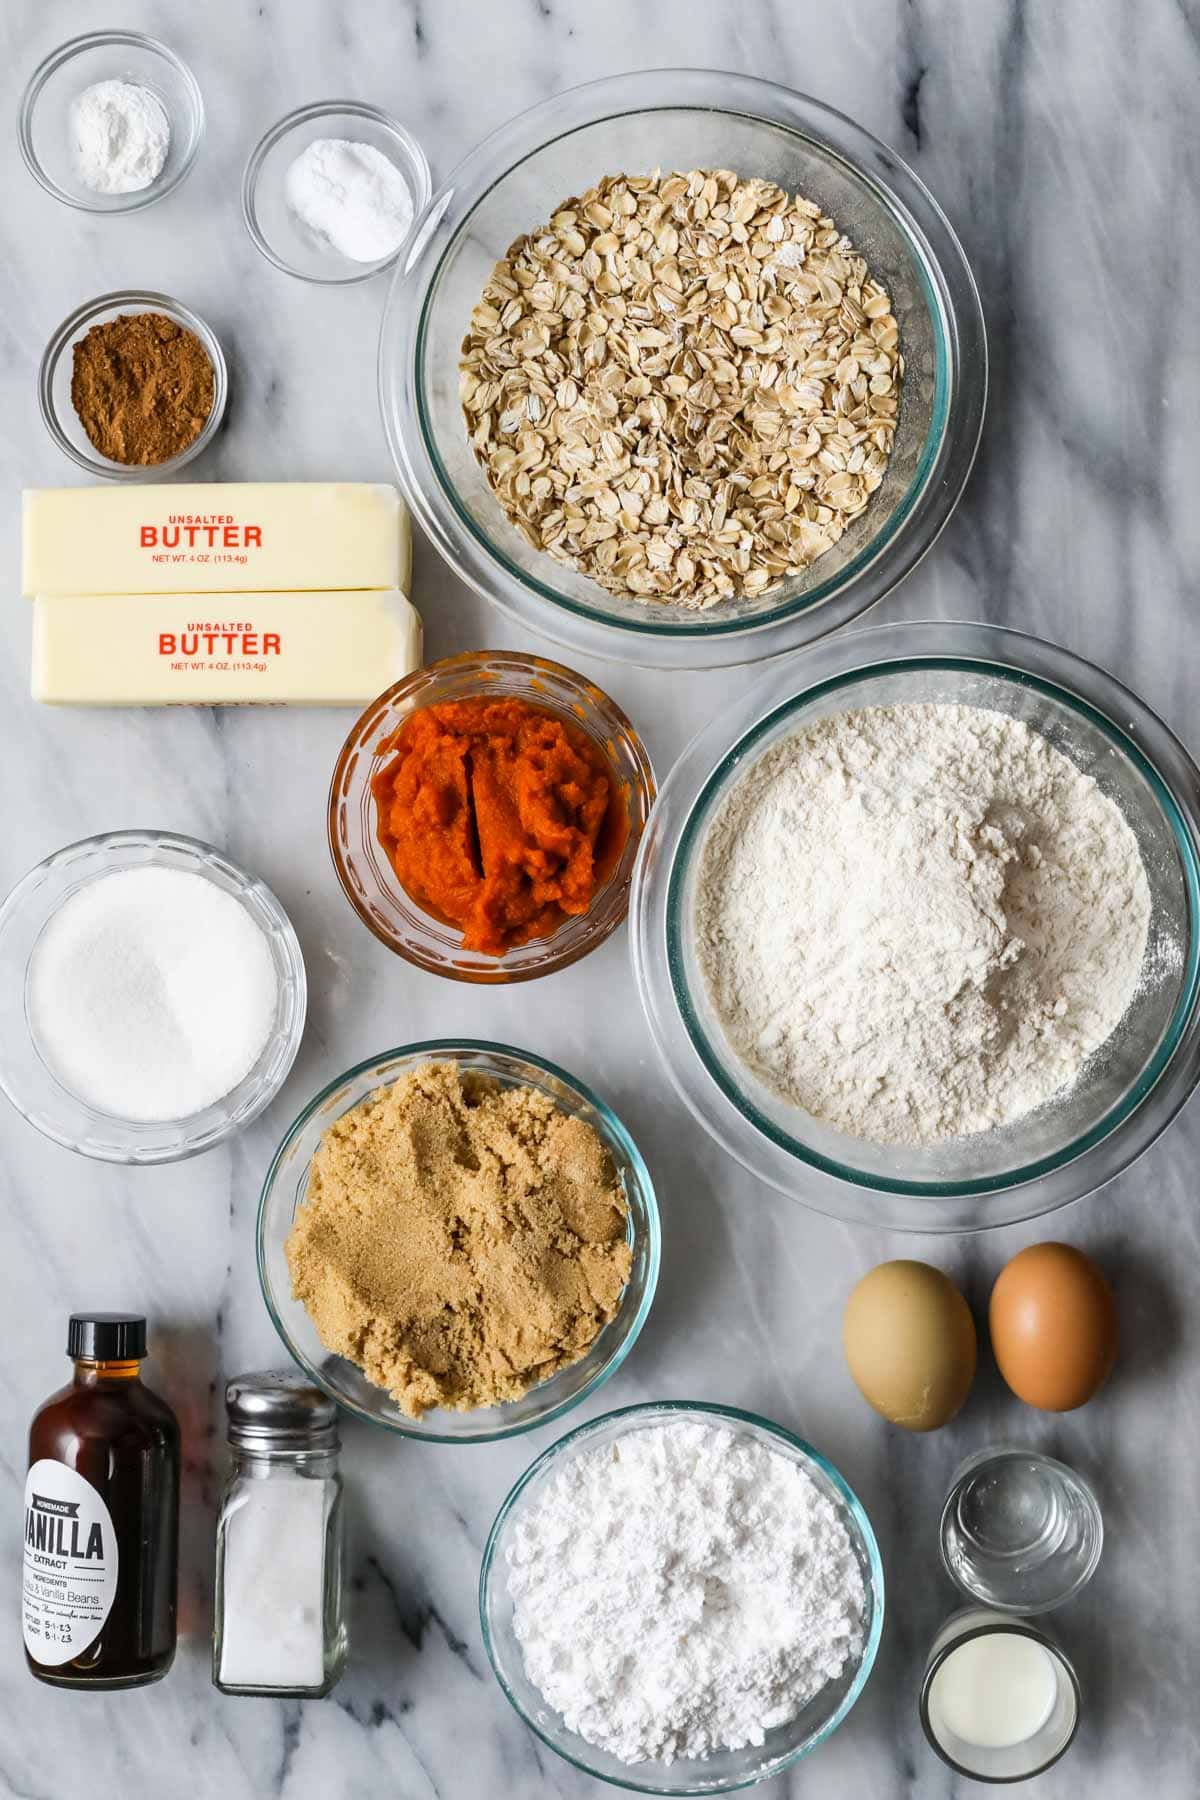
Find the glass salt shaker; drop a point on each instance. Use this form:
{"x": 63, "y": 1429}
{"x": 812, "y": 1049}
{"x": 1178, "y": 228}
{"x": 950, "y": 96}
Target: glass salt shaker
{"x": 279, "y": 1625}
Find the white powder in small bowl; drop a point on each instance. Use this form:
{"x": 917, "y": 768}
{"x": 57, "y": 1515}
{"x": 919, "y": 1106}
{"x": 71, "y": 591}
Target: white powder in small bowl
{"x": 151, "y": 994}
{"x": 350, "y": 196}
{"x": 122, "y": 137}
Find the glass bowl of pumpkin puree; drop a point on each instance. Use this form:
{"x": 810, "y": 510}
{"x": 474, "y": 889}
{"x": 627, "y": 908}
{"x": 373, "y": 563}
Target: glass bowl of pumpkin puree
{"x": 485, "y": 815}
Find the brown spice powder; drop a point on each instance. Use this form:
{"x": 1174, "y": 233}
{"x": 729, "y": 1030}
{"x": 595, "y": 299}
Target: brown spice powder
{"x": 460, "y": 1241}
{"x": 143, "y": 387}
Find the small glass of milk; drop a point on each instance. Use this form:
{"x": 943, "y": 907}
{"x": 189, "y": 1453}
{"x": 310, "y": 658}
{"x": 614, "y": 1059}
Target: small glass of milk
{"x": 1000, "y": 1700}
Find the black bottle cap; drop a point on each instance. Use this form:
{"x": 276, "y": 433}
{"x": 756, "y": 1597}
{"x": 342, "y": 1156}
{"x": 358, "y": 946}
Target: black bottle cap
{"x": 106, "y": 1337}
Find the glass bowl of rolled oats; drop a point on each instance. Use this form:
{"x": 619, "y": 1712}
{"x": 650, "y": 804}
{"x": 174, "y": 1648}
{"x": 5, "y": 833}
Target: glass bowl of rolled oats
{"x": 683, "y": 368}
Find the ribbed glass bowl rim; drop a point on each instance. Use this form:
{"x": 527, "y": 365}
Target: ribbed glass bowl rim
{"x": 416, "y": 175}
{"x": 954, "y": 646}
{"x": 138, "y": 300}
{"x": 734, "y": 1416}
{"x": 202, "y": 853}
{"x": 960, "y": 374}
{"x": 448, "y": 1048}
{"x": 500, "y": 662}
{"x": 50, "y": 65}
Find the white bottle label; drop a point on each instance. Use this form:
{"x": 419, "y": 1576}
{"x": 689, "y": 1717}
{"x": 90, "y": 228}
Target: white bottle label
{"x": 70, "y": 1563}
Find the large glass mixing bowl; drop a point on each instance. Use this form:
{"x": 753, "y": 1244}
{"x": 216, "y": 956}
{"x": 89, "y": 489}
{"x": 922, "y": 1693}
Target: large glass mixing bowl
{"x": 682, "y": 119}
{"x": 1126, "y": 1094}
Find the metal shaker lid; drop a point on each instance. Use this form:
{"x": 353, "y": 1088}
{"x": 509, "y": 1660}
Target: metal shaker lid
{"x": 279, "y": 1409}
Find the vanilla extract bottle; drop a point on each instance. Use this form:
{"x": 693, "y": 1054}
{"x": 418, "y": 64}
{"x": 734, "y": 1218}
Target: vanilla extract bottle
{"x": 102, "y": 1517}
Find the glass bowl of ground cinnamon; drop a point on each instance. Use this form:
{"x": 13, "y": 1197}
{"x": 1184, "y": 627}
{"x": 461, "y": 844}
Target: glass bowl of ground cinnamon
{"x": 133, "y": 386}
{"x": 458, "y": 1241}
{"x": 485, "y": 816}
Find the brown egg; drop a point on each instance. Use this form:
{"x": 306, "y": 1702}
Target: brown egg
{"x": 1053, "y": 1322}
{"x": 909, "y": 1339}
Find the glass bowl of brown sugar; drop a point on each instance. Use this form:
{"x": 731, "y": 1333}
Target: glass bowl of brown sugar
{"x": 289, "y": 1186}
{"x": 172, "y": 435}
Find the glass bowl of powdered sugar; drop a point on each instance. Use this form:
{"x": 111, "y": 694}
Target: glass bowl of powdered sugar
{"x": 916, "y": 927}
{"x": 152, "y": 997}
{"x": 682, "y": 1598}
{"x": 331, "y": 193}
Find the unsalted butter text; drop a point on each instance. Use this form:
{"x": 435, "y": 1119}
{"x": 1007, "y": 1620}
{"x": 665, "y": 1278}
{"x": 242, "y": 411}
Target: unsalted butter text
{"x": 184, "y": 533}
{"x": 207, "y": 640}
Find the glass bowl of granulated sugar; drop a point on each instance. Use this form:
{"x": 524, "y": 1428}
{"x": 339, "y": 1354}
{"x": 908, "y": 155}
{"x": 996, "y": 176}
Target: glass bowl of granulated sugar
{"x": 152, "y": 997}
{"x": 682, "y": 1598}
{"x": 915, "y": 927}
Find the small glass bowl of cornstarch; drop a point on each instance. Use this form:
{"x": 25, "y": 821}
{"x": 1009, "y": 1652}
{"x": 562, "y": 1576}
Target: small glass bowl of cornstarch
{"x": 682, "y": 1598}
{"x": 152, "y": 997}
{"x": 111, "y": 122}
{"x": 332, "y": 192}
{"x": 915, "y": 926}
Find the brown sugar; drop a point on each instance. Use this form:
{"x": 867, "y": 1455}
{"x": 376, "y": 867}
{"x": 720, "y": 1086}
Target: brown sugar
{"x": 460, "y": 1241}
{"x": 143, "y": 387}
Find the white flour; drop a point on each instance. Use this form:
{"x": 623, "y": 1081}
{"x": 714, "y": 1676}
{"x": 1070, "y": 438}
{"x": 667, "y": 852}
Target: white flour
{"x": 918, "y": 922}
{"x": 683, "y": 1591}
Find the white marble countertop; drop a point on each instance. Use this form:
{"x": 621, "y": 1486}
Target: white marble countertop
{"x": 1061, "y": 141}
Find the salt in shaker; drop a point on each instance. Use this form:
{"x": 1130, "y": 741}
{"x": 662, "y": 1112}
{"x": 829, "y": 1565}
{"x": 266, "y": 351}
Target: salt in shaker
{"x": 279, "y": 1625}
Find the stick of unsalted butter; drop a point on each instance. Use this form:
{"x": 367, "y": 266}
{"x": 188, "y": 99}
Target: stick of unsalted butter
{"x": 338, "y": 649}
{"x": 215, "y": 537}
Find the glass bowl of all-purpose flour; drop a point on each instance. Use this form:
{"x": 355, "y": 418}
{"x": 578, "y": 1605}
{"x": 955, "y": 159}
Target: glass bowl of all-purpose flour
{"x": 681, "y": 1598}
{"x": 916, "y": 927}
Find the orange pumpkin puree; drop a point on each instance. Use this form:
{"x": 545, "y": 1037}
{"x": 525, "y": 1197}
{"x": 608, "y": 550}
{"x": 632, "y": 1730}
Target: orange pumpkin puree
{"x": 498, "y": 818}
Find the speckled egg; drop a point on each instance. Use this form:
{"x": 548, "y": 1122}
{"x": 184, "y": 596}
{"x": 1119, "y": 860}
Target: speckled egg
{"x": 909, "y": 1339}
{"x": 1053, "y": 1321}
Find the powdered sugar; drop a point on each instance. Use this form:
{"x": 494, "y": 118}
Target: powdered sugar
{"x": 683, "y": 1590}
{"x": 918, "y": 922}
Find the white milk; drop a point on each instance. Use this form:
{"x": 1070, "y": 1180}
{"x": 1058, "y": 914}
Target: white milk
{"x": 993, "y": 1692}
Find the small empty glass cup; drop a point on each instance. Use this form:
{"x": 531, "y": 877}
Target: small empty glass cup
{"x": 1020, "y": 1532}
{"x": 1000, "y": 1700}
